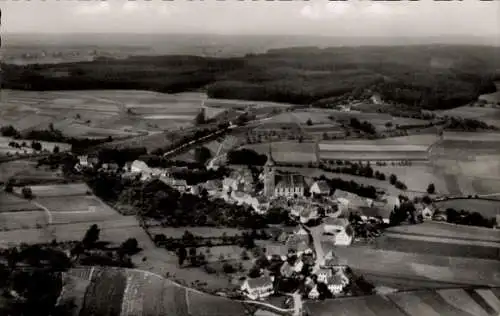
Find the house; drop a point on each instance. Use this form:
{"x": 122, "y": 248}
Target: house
{"x": 179, "y": 185}
{"x": 113, "y": 167}
{"x": 258, "y": 288}
{"x": 337, "y": 283}
{"x": 439, "y": 216}
{"x": 350, "y": 201}
{"x": 377, "y": 212}
{"x": 376, "y": 99}
{"x": 320, "y": 188}
{"x": 230, "y": 184}
{"x": 288, "y": 269}
{"x": 341, "y": 229}
{"x": 127, "y": 167}
{"x": 324, "y": 274}
{"x": 427, "y": 211}
{"x": 308, "y": 214}
{"x": 212, "y": 186}
{"x": 313, "y": 293}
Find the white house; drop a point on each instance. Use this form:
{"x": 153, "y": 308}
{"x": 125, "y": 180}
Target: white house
{"x": 313, "y": 293}
{"x": 308, "y": 213}
{"x": 287, "y": 269}
{"x": 341, "y": 230}
{"x": 320, "y": 188}
{"x": 230, "y": 184}
{"x": 324, "y": 275}
{"x": 337, "y": 283}
{"x": 179, "y": 185}
{"x": 258, "y": 288}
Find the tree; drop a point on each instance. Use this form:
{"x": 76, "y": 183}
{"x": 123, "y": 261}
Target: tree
{"x": 91, "y": 236}
{"x": 181, "y": 255}
{"x": 9, "y": 186}
{"x": 55, "y": 150}
{"x": 202, "y": 155}
{"x": 129, "y": 246}
{"x": 431, "y": 189}
{"x": 36, "y": 145}
{"x": 228, "y": 268}
{"x": 27, "y": 193}
{"x": 393, "y": 178}
{"x": 309, "y": 122}
{"x": 200, "y": 117}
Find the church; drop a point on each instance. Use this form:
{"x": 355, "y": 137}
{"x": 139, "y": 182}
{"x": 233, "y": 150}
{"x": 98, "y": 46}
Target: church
{"x": 278, "y": 183}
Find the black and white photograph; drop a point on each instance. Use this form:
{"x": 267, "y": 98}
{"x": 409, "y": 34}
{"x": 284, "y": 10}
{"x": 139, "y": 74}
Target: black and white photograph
{"x": 249, "y": 158}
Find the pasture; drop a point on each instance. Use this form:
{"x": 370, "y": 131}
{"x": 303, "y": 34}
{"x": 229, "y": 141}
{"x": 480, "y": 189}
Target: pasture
{"x": 58, "y": 190}
{"x": 46, "y": 146}
{"x": 488, "y": 115}
{"x": 416, "y": 177}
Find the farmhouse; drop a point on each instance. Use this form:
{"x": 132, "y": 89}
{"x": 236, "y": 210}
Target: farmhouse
{"x": 336, "y": 283}
{"x": 290, "y": 267}
{"x": 340, "y": 229}
{"x": 258, "y": 288}
{"x": 324, "y": 274}
{"x": 88, "y": 160}
{"x": 320, "y": 188}
{"x": 313, "y": 293}
{"x": 350, "y": 201}
{"x": 212, "y": 186}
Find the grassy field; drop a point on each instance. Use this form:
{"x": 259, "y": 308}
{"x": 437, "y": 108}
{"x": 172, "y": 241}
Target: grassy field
{"x": 12, "y": 203}
{"x": 27, "y": 172}
{"x": 59, "y": 190}
{"x": 4, "y": 146}
{"x": 416, "y": 177}
{"x": 488, "y": 115}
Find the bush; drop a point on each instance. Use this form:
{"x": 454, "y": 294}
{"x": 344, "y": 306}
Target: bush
{"x": 228, "y": 268}
{"x": 27, "y": 193}
{"x": 431, "y": 189}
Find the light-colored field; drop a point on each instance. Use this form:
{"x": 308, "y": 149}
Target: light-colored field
{"x": 371, "y": 148}
{"x": 289, "y": 152}
{"x": 372, "y": 155}
{"x": 484, "y": 207}
{"x": 416, "y": 177}
{"x": 4, "y": 146}
{"x": 470, "y": 136}
{"x": 424, "y": 140}
{"x": 22, "y": 220}
{"x": 446, "y": 230}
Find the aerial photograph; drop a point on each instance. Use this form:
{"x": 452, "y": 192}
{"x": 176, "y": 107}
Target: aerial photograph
{"x": 249, "y": 158}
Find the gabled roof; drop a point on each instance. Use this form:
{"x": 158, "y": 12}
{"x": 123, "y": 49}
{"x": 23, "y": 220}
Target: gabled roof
{"x": 376, "y": 212}
{"x": 212, "y": 185}
{"x": 289, "y": 180}
{"x": 353, "y": 199}
{"x": 334, "y": 280}
{"x": 322, "y": 186}
{"x": 328, "y": 272}
{"x": 260, "y": 282}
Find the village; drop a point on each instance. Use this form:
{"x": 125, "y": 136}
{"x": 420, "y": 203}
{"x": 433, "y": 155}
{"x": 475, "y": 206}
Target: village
{"x": 299, "y": 259}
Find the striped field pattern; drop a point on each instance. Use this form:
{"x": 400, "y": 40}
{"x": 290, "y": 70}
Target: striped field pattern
{"x": 446, "y": 302}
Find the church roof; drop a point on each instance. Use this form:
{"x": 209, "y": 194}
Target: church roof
{"x": 289, "y": 180}
{"x": 270, "y": 160}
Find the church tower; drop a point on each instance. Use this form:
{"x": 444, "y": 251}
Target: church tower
{"x": 269, "y": 174}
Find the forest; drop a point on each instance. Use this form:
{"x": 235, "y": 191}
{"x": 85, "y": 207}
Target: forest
{"x": 427, "y": 77}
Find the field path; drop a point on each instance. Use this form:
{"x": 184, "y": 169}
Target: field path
{"x": 46, "y": 210}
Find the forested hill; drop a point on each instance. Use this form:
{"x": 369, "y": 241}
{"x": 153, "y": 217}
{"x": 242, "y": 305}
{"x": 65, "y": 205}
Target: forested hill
{"x": 429, "y": 77}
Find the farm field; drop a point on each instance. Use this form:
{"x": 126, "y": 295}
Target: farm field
{"x": 4, "y": 146}
{"x": 22, "y": 220}
{"x": 416, "y": 177}
{"x": 425, "y": 140}
{"x": 12, "y": 203}
{"x": 287, "y": 152}
{"x": 487, "y": 208}
{"x": 446, "y": 230}
{"x": 58, "y": 190}
{"x": 456, "y": 301}
{"x": 466, "y": 271}
{"x": 142, "y": 293}
{"x": 488, "y": 115}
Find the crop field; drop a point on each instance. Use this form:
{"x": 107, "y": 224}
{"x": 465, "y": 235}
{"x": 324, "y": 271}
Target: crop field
{"x": 416, "y": 177}
{"x": 59, "y": 190}
{"x": 4, "y": 146}
{"x": 22, "y": 220}
{"x": 445, "y": 230}
{"x": 12, "y": 203}
{"x": 488, "y": 115}
{"x": 104, "y": 295}
{"x": 132, "y": 292}
{"x": 457, "y": 301}
{"x": 373, "y": 155}
{"x": 486, "y": 208}
{"x": 288, "y": 152}
{"x": 11, "y": 168}
{"x": 73, "y": 291}
{"x": 470, "y": 271}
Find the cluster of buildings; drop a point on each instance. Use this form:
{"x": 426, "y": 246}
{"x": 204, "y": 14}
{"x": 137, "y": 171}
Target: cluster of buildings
{"x": 332, "y": 275}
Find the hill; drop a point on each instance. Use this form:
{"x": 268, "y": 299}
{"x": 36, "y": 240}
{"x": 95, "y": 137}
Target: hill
{"x": 428, "y": 76}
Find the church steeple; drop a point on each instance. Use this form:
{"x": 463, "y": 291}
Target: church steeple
{"x": 270, "y": 161}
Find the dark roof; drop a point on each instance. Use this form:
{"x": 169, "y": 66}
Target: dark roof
{"x": 323, "y": 186}
{"x": 375, "y": 212}
{"x": 289, "y": 180}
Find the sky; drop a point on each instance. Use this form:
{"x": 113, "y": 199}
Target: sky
{"x": 314, "y": 17}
